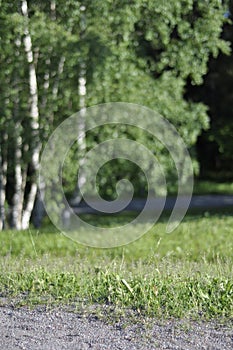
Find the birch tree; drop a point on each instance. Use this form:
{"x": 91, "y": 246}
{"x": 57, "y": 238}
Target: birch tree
{"x": 81, "y": 135}
{"x": 59, "y": 57}
{"x": 3, "y": 177}
{"x": 34, "y": 117}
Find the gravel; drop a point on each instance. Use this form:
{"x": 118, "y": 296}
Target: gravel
{"x": 40, "y": 328}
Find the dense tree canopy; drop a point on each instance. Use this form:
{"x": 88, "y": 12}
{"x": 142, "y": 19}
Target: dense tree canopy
{"x": 217, "y": 94}
{"x": 136, "y": 51}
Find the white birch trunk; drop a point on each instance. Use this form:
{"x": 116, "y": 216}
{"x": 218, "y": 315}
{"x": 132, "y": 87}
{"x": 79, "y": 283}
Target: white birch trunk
{"x": 53, "y": 10}
{"x": 18, "y": 196}
{"x": 3, "y": 171}
{"x": 81, "y": 139}
{"x": 34, "y": 114}
{"x": 30, "y": 204}
{"x": 61, "y": 63}
{"x": 38, "y": 210}
{"x": 17, "y": 208}
{"x": 82, "y": 123}
{"x": 58, "y": 75}
{"x": 48, "y": 60}
{"x": 46, "y": 84}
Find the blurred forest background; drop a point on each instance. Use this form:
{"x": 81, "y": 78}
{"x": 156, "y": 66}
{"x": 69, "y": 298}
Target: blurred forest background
{"x": 59, "y": 57}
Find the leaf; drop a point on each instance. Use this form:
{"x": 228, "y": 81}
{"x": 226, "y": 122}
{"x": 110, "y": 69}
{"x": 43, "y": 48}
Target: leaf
{"x": 127, "y": 285}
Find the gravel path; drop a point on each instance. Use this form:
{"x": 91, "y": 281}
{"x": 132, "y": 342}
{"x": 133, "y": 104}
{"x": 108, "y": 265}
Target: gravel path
{"x": 204, "y": 202}
{"x": 57, "y": 329}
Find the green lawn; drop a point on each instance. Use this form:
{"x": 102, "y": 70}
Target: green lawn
{"x": 187, "y": 273}
{"x": 212, "y": 187}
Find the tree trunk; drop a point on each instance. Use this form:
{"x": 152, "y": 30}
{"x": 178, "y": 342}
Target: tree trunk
{"x": 38, "y": 210}
{"x": 3, "y": 171}
{"x": 53, "y": 10}
{"x": 58, "y": 75}
{"x": 17, "y": 208}
{"x": 82, "y": 123}
{"x": 34, "y": 114}
{"x": 18, "y": 196}
{"x": 81, "y": 140}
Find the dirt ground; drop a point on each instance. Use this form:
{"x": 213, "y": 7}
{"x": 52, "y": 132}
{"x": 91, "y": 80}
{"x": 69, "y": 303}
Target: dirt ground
{"x": 40, "y": 329}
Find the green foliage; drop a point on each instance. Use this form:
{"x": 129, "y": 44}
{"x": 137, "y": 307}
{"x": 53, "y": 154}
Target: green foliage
{"x": 148, "y": 52}
{"x": 216, "y": 93}
{"x": 139, "y": 51}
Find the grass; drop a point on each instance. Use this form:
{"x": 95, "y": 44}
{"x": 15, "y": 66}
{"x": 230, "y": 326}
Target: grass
{"x": 187, "y": 273}
{"x": 212, "y": 187}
